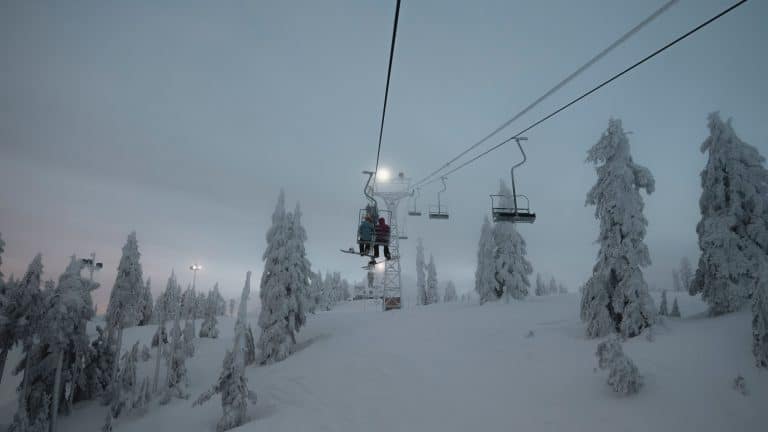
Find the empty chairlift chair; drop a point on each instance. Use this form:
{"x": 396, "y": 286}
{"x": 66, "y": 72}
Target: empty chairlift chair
{"x": 439, "y": 211}
{"x": 509, "y": 208}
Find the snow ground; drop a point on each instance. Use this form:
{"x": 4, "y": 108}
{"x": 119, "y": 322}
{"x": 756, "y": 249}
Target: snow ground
{"x": 461, "y": 367}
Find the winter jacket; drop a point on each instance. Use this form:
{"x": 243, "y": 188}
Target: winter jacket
{"x": 382, "y": 232}
{"x": 365, "y": 232}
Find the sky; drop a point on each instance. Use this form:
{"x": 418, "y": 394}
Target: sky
{"x": 182, "y": 120}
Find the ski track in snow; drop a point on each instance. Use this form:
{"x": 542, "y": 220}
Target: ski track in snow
{"x": 461, "y": 367}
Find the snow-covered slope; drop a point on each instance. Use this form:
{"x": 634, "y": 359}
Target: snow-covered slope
{"x": 465, "y": 367}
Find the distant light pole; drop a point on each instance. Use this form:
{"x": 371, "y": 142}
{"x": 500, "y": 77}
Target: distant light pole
{"x": 195, "y": 268}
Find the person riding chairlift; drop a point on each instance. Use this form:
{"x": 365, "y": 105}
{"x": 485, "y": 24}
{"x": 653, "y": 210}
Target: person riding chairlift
{"x": 382, "y": 237}
{"x": 365, "y": 235}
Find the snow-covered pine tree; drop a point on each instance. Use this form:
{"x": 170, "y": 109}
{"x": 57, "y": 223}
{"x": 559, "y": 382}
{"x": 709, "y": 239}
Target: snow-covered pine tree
{"x": 760, "y": 319}
{"x": 201, "y": 304}
{"x": 231, "y": 307}
{"x": 147, "y": 303}
{"x": 485, "y": 273}
{"x": 300, "y": 269}
{"x": 675, "y": 313}
{"x": 188, "y": 306}
{"x": 561, "y": 289}
{"x": 552, "y": 287}
{"x": 663, "y": 307}
{"x": 616, "y": 297}
{"x": 18, "y": 325}
{"x": 281, "y": 313}
{"x": 421, "y": 283}
{"x": 161, "y": 313}
{"x": 221, "y": 304}
{"x": 177, "y": 378}
{"x": 432, "y": 295}
{"x": 208, "y": 327}
{"x": 511, "y": 268}
{"x": 127, "y": 382}
{"x": 540, "y": 289}
{"x": 624, "y": 377}
{"x": 68, "y": 311}
{"x": 315, "y": 292}
{"x": 99, "y": 366}
{"x": 189, "y": 338}
{"x": 733, "y": 230}
{"x": 124, "y": 300}
{"x": 685, "y": 273}
{"x": 450, "y": 293}
{"x": 250, "y": 347}
{"x": 233, "y": 383}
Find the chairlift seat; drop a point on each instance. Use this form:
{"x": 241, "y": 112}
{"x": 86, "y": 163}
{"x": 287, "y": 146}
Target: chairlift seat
{"x": 438, "y": 215}
{"x": 414, "y": 213}
{"x": 511, "y": 215}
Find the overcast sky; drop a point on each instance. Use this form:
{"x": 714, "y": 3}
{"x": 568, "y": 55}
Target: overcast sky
{"x": 182, "y": 120}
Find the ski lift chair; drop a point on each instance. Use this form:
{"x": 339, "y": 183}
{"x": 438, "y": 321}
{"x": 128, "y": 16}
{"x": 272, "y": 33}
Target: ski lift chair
{"x": 506, "y": 208}
{"x": 439, "y": 211}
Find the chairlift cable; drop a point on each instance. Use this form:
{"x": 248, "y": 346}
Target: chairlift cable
{"x": 386, "y": 90}
{"x": 557, "y": 87}
{"x": 594, "y": 89}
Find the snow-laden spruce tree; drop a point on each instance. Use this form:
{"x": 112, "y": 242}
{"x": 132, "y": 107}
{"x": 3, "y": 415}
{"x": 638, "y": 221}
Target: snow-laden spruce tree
{"x": 616, "y": 297}
{"x": 685, "y": 274}
{"x": 221, "y": 304}
{"x": 511, "y": 268}
{"x": 733, "y": 230}
{"x": 177, "y": 379}
{"x": 250, "y": 347}
{"x": 552, "y": 287}
{"x": 760, "y": 318}
{"x": 623, "y": 377}
{"x": 208, "y": 327}
{"x": 421, "y": 281}
{"x": 17, "y": 325}
{"x": 450, "y": 293}
{"x": 189, "y": 338}
{"x": 315, "y": 292}
{"x": 663, "y": 311}
{"x": 68, "y": 311}
{"x": 167, "y": 304}
{"x": 25, "y": 312}
{"x": 99, "y": 365}
{"x": 127, "y": 381}
{"x": 281, "y": 313}
{"x": 231, "y": 307}
{"x": 125, "y": 299}
{"x": 485, "y": 273}
{"x": 675, "y": 313}
{"x": 432, "y": 294}
{"x": 540, "y": 289}
{"x": 232, "y": 383}
{"x": 301, "y": 268}
{"x": 189, "y": 307}
{"x": 147, "y": 304}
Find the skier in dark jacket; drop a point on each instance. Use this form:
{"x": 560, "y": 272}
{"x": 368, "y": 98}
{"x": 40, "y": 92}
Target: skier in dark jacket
{"x": 382, "y": 238}
{"x": 365, "y": 235}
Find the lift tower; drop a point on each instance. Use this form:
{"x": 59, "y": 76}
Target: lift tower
{"x": 392, "y": 192}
